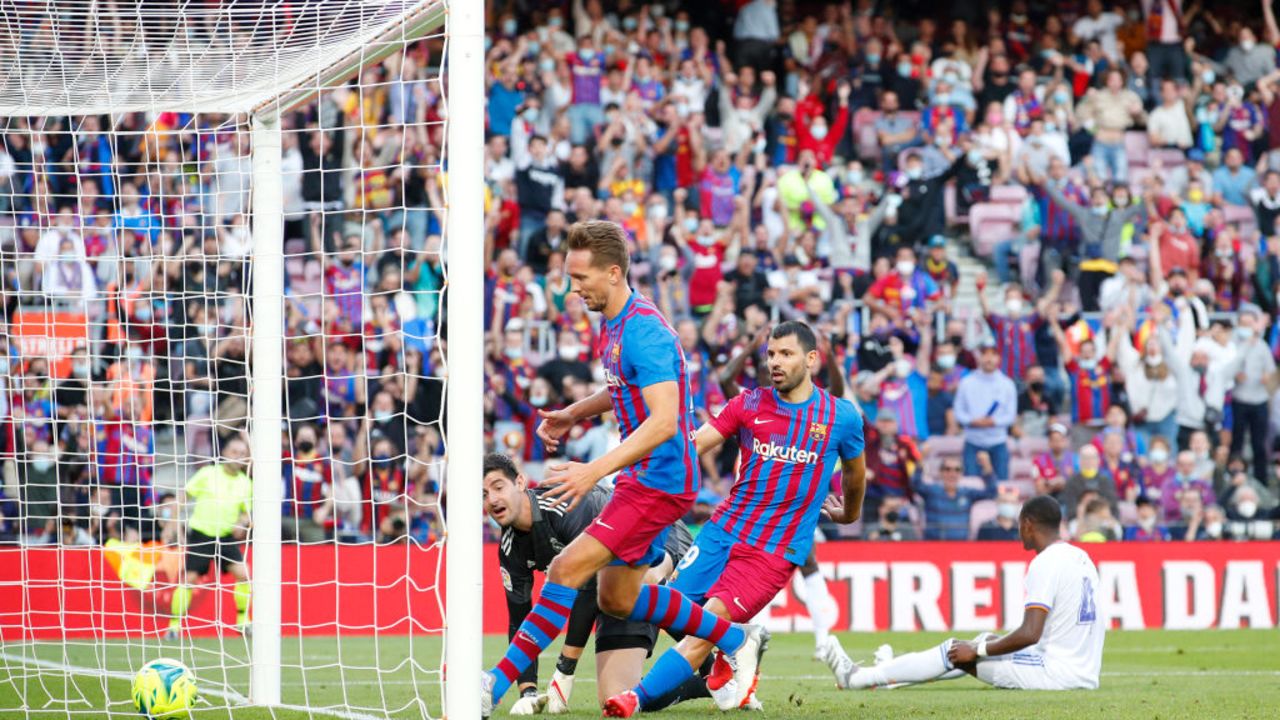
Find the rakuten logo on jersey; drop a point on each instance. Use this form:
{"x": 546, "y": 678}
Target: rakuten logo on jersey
{"x": 773, "y": 451}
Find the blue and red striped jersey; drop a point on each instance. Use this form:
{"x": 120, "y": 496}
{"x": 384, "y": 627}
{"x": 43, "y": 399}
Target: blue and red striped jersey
{"x": 1015, "y": 339}
{"x": 1090, "y": 391}
{"x": 639, "y": 348}
{"x": 789, "y": 454}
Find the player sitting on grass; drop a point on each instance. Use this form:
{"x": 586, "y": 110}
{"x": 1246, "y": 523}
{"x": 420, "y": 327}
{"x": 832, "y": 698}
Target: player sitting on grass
{"x": 533, "y": 533}
{"x": 1057, "y": 647}
{"x": 791, "y": 436}
{"x": 647, "y": 388}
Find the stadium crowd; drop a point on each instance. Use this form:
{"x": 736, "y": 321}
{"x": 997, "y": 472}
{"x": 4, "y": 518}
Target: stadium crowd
{"x": 1039, "y": 243}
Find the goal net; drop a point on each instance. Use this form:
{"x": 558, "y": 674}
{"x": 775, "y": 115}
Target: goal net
{"x": 223, "y": 354}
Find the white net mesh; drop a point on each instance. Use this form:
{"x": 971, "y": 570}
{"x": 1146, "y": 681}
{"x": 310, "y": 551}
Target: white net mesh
{"x": 127, "y": 252}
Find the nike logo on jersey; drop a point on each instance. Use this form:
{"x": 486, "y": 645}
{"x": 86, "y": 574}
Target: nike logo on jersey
{"x": 761, "y": 421}
{"x": 603, "y": 524}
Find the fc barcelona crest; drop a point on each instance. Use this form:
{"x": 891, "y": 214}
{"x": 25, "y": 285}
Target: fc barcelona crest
{"x": 817, "y": 431}
{"x": 616, "y": 353}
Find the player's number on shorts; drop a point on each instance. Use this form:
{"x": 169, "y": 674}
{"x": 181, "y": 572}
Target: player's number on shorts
{"x": 1088, "y": 606}
{"x": 688, "y": 559}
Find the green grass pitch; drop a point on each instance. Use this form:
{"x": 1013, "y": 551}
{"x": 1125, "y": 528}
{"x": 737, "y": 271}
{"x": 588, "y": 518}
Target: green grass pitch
{"x": 1148, "y": 675}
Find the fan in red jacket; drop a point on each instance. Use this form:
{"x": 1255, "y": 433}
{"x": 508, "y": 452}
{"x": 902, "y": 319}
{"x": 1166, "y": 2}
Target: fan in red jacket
{"x": 814, "y": 132}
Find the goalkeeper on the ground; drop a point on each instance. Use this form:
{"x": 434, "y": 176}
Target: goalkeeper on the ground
{"x": 534, "y": 532}
{"x": 222, "y": 498}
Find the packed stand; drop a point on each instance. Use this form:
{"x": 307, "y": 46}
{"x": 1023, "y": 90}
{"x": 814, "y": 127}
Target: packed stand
{"x": 1039, "y": 244}
{"x": 125, "y": 356}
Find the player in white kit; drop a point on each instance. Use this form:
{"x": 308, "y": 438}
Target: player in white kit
{"x": 1057, "y": 647}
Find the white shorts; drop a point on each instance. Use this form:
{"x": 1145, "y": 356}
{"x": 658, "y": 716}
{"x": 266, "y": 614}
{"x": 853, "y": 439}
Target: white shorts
{"x": 1025, "y": 670}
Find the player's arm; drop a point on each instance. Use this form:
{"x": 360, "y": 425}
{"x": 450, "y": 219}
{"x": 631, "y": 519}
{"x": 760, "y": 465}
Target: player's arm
{"x": 556, "y": 423}
{"x": 707, "y": 439}
{"x": 1027, "y": 634}
{"x": 853, "y": 486}
{"x": 572, "y": 481}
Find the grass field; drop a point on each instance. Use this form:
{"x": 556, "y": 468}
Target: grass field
{"x": 1154, "y": 674}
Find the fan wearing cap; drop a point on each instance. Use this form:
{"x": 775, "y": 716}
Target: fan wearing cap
{"x": 939, "y": 267}
{"x": 986, "y": 407}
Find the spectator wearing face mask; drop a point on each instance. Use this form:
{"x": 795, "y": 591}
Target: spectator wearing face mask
{"x": 1090, "y": 477}
{"x": 1005, "y": 525}
{"x": 1247, "y": 519}
{"x": 1254, "y": 371}
{"x": 1247, "y": 61}
{"x": 904, "y": 291}
{"x": 816, "y": 133}
{"x": 1183, "y": 480}
{"x": 1148, "y": 528}
{"x": 1101, "y": 228}
{"x": 1149, "y": 378}
{"x": 1089, "y": 377}
{"x": 1213, "y": 526}
{"x": 904, "y": 388}
{"x": 1015, "y": 330}
{"x": 922, "y": 212}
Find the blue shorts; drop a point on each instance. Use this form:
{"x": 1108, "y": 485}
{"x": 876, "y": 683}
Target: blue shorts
{"x": 702, "y": 566}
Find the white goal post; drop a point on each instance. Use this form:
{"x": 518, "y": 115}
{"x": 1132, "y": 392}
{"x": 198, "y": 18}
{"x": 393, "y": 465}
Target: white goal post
{"x": 270, "y": 67}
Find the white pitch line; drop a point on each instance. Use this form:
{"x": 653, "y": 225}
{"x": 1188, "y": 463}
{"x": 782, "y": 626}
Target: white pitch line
{"x": 234, "y": 696}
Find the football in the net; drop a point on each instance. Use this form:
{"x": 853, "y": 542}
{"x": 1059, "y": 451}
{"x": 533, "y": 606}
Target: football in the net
{"x": 164, "y": 689}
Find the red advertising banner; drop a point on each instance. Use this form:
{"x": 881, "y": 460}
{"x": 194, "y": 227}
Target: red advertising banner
{"x": 51, "y": 335}
{"x": 47, "y": 593}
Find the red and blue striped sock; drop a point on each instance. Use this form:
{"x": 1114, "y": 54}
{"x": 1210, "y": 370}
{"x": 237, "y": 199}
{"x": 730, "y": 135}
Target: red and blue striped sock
{"x": 539, "y": 629}
{"x": 669, "y": 609}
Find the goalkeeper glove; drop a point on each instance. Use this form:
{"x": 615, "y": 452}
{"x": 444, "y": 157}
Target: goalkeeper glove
{"x": 558, "y": 693}
{"x": 530, "y": 703}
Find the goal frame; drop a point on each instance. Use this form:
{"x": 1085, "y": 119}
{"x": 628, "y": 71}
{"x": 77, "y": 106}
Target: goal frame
{"x": 462, "y": 67}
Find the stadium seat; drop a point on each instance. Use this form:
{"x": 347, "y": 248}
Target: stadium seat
{"x": 1137, "y": 147}
{"x": 1138, "y": 178}
{"x": 1028, "y": 260}
{"x": 944, "y": 446}
{"x": 1008, "y": 194}
{"x": 1020, "y": 466}
{"x": 949, "y": 202}
{"x": 915, "y": 515}
{"x": 1032, "y": 446}
{"x": 1241, "y": 216}
{"x": 982, "y": 512}
{"x": 1026, "y": 488}
{"x": 864, "y": 133}
{"x": 1166, "y": 158}
{"x": 973, "y": 483}
{"x": 1128, "y": 513}
{"x": 991, "y": 223}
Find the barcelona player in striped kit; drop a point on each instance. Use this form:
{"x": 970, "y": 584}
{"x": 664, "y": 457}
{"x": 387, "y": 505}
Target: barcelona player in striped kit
{"x": 648, "y": 391}
{"x": 792, "y": 435}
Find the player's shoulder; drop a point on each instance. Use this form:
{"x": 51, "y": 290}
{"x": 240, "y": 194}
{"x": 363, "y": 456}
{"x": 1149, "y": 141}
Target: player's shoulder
{"x": 847, "y": 412}
{"x": 644, "y": 318}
